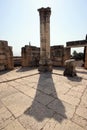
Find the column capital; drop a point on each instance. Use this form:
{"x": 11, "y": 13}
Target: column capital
{"x": 44, "y": 14}
{"x": 45, "y": 11}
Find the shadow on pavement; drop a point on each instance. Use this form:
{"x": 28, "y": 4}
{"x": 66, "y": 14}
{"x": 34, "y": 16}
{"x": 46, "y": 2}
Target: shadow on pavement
{"x": 82, "y": 72}
{"x": 59, "y": 68}
{"x": 24, "y": 69}
{"x": 75, "y": 78}
{"x": 4, "y": 72}
{"x": 46, "y": 103}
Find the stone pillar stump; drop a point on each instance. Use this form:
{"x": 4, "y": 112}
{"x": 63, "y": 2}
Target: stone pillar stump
{"x": 70, "y": 68}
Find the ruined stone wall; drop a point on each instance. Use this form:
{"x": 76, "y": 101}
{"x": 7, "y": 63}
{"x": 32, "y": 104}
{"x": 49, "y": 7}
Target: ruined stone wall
{"x": 6, "y": 56}
{"x": 17, "y": 61}
{"x": 85, "y": 64}
{"x": 67, "y": 54}
{"x": 57, "y": 53}
{"x": 30, "y": 56}
{"x": 79, "y": 43}
{"x": 26, "y": 56}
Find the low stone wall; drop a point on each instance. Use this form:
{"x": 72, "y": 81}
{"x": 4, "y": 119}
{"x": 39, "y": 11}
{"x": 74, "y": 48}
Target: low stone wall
{"x": 31, "y": 55}
{"x": 57, "y": 53}
{"x": 85, "y": 64}
{"x": 17, "y": 61}
{"x": 6, "y": 56}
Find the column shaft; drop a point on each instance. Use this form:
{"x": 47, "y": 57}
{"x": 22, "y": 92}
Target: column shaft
{"x": 45, "y": 63}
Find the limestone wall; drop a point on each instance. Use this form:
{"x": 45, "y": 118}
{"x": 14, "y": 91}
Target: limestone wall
{"x": 17, "y": 61}
{"x": 30, "y": 56}
{"x": 57, "y": 53}
{"x": 6, "y": 56}
{"x": 85, "y": 64}
{"x": 67, "y": 53}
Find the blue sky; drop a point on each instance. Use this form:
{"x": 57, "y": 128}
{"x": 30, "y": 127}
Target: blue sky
{"x": 19, "y": 21}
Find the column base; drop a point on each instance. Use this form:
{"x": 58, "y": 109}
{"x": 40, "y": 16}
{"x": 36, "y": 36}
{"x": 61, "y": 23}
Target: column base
{"x": 45, "y": 66}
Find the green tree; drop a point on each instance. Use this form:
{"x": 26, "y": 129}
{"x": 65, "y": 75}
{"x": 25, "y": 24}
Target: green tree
{"x": 78, "y": 56}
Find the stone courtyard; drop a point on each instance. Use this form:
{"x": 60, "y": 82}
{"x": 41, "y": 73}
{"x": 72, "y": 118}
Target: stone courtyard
{"x": 30, "y": 100}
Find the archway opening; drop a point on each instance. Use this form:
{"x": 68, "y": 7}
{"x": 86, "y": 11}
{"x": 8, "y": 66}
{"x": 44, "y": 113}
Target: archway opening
{"x": 78, "y": 55}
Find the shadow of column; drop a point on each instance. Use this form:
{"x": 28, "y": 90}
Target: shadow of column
{"x": 46, "y": 103}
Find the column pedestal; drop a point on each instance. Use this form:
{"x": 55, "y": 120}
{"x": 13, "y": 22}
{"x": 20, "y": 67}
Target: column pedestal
{"x": 45, "y": 65}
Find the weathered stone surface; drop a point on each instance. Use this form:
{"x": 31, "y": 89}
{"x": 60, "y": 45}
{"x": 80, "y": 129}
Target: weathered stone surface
{"x": 45, "y": 63}
{"x": 80, "y": 121}
{"x": 54, "y": 101}
{"x": 70, "y": 99}
{"x": 17, "y": 103}
{"x": 74, "y": 94}
{"x": 62, "y": 108}
{"x": 36, "y": 116}
{"x": 30, "y": 56}
{"x": 27, "y": 90}
{"x": 85, "y": 64}
{"x": 66, "y": 55}
{"x": 14, "y": 125}
{"x": 62, "y": 89}
{"x": 64, "y": 125}
{"x": 82, "y": 111}
{"x": 44, "y": 98}
{"x": 6, "y": 56}
{"x": 6, "y": 90}
{"x": 70, "y": 68}
{"x": 5, "y": 117}
{"x": 57, "y": 55}
{"x": 78, "y": 88}
{"x": 82, "y": 108}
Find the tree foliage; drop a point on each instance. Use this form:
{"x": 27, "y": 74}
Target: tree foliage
{"x": 78, "y": 56}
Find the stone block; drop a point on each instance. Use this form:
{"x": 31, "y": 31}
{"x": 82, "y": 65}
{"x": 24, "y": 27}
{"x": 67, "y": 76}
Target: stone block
{"x": 61, "y": 124}
{"x": 70, "y": 68}
{"x": 36, "y": 116}
{"x": 14, "y": 125}
{"x": 5, "y": 117}
{"x": 62, "y": 108}
{"x": 6, "y": 55}
{"x": 17, "y": 103}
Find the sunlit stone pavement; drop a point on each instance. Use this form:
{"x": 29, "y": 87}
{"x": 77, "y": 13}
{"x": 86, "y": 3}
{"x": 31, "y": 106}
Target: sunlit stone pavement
{"x": 30, "y": 100}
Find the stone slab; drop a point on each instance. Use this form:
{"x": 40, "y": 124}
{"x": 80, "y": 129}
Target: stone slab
{"x": 61, "y": 124}
{"x": 27, "y": 90}
{"x": 44, "y": 98}
{"x": 6, "y": 90}
{"x": 82, "y": 111}
{"x": 14, "y": 125}
{"x": 17, "y": 103}
{"x": 43, "y": 101}
{"x": 36, "y": 116}
{"x": 62, "y": 108}
{"x": 74, "y": 101}
{"x": 80, "y": 121}
{"x": 5, "y": 117}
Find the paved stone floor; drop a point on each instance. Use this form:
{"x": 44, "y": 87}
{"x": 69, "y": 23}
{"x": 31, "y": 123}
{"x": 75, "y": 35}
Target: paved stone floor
{"x": 33, "y": 101}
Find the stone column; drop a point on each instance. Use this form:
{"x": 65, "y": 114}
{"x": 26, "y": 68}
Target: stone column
{"x": 45, "y": 63}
